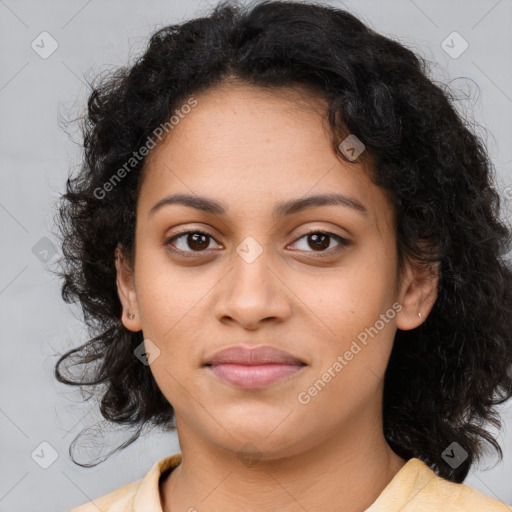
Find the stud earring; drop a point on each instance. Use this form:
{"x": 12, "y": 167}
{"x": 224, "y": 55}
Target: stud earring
{"x": 419, "y": 314}
{"x": 131, "y": 316}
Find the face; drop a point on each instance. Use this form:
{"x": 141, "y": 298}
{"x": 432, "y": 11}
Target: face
{"x": 257, "y": 277}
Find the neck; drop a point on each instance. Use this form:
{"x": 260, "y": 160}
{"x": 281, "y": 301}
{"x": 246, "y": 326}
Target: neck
{"x": 345, "y": 471}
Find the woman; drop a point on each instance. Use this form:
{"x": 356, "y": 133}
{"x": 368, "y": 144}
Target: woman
{"x": 287, "y": 244}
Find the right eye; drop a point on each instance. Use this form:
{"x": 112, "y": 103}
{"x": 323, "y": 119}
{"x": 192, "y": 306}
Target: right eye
{"x": 198, "y": 243}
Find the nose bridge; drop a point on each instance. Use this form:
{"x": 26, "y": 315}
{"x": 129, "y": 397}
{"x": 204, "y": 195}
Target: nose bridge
{"x": 252, "y": 269}
{"x": 253, "y": 291}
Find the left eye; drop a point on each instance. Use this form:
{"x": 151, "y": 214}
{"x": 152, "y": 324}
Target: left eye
{"x": 197, "y": 240}
{"x": 321, "y": 240}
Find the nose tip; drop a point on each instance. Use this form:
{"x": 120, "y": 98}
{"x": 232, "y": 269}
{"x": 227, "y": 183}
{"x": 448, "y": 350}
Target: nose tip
{"x": 252, "y": 296}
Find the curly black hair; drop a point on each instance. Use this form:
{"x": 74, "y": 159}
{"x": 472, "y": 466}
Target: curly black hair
{"x": 444, "y": 378}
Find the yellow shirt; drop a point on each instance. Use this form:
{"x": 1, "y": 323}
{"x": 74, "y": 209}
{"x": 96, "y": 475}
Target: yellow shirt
{"x": 415, "y": 488}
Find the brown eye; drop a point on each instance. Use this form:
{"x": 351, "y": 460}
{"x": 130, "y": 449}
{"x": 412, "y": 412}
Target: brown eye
{"x": 195, "y": 241}
{"x": 320, "y": 241}
{"x": 191, "y": 241}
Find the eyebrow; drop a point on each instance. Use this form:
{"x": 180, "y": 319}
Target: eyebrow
{"x": 280, "y": 210}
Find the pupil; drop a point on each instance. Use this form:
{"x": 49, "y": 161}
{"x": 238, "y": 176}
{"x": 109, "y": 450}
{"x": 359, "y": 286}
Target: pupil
{"x": 324, "y": 243}
{"x": 195, "y": 238}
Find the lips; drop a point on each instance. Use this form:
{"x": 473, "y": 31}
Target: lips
{"x": 253, "y": 367}
{"x": 241, "y": 354}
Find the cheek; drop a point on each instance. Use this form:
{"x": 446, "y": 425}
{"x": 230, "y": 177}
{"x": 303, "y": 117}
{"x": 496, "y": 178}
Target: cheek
{"x": 166, "y": 294}
{"x": 351, "y": 297}
{"x": 351, "y": 360}
{"x": 167, "y": 311}
{"x": 356, "y": 329}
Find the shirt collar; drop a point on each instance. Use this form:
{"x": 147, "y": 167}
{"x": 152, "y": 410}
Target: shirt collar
{"x": 411, "y": 479}
{"x": 147, "y": 497}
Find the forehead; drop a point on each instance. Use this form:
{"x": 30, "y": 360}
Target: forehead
{"x": 247, "y": 145}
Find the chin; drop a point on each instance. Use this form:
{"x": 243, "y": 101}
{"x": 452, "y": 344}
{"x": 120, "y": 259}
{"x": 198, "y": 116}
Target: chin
{"x": 273, "y": 434}
{"x": 252, "y": 448}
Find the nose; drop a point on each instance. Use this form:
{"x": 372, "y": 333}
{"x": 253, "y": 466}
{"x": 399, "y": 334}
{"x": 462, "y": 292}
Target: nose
{"x": 253, "y": 293}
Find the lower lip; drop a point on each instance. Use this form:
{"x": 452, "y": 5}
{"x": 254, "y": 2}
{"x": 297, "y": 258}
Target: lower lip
{"x": 254, "y": 376}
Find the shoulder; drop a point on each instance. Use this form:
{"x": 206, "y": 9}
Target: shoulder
{"x": 416, "y": 488}
{"x": 140, "y": 496}
{"x": 460, "y": 498}
{"x": 116, "y": 501}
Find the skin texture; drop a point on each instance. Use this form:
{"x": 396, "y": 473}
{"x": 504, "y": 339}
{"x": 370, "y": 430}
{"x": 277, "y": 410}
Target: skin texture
{"x": 250, "y": 148}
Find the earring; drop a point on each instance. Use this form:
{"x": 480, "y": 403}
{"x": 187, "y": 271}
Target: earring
{"x": 131, "y": 316}
{"x": 419, "y": 314}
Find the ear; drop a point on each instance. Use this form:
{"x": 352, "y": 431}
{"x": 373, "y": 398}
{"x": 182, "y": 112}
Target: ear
{"x": 126, "y": 291}
{"x": 417, "y": 294}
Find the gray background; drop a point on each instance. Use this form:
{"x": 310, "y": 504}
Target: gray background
{"x": 36, "y": 154}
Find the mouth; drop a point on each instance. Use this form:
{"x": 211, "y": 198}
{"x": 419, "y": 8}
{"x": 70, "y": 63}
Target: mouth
{"x": 248, "y": 367}
{"x": 254, "y": 376}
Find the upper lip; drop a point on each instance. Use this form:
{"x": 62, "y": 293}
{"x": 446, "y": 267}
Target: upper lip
{"x": 242, "y": 354}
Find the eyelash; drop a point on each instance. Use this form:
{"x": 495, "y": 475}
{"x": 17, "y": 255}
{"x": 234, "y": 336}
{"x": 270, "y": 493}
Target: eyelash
{"x": 343, "y": 242}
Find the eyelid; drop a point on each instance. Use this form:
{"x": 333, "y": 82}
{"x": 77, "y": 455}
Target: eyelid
{"x": 343, "y": 242}
{"x": 188, "y": 231}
